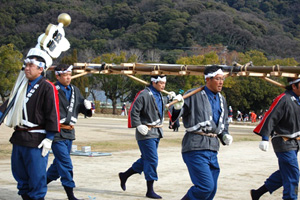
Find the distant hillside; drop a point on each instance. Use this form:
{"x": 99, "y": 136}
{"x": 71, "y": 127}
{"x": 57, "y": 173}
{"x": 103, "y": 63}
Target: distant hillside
{"x": 165, "y": 26}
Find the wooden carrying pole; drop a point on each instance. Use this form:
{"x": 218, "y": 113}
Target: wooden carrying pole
{"x": 273, "y": 82}
{"x": 130, "y": 69}
{"x": 177, "y": 69}
{"x": 185, "y": 96}
{"x": 182, "y": 70}
{"x": 79, "y": 75}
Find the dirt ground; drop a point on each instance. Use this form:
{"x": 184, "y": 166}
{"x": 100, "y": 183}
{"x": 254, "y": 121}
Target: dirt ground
{"x": 243, "y": 165}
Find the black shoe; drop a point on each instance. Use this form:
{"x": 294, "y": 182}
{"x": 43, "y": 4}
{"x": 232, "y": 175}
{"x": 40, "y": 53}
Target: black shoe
{"x": 123, "y": 180}
{"x": 253, "y": 195}
{"x": 153, "y": 195}
{"x": 70, "y": 193}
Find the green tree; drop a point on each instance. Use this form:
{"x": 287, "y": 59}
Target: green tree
{"x": 257, "y": 57}
{"x": 253, "y": 93}
{"x": 250, "y": 93}
{"x": 145, "y": 37}
{"x": 10, "y": 65}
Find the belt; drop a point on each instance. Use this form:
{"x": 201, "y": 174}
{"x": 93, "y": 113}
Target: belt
{"x": 23, "y": 128}
{"x": 287, "y": 138}
{"x": 206, "y": 134}
{"x": 154, "y": 126}
{"x": 67, "y": 127}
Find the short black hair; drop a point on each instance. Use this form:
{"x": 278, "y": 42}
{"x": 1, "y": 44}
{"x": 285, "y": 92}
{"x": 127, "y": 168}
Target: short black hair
{"x": 289, "y": 86}
{"x": 161, "y": 76}
{"x": 37, "y": 58}
{"x": 212, "y": 69}
{"x": 61, "y": 67}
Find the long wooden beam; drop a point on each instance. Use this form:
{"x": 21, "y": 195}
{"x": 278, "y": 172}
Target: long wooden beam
{"x": 131, "y": 69}
{"x": 178, "y": 69}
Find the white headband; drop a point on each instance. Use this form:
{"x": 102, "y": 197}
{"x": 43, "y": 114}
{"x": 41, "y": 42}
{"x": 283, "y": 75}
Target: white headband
{"x": 163, "y": 79}
{"x": 35, "y": 62}
{"x": 210, "y": 75}
{"x": 63, "y": 72}
{"x": 294, "y": 81}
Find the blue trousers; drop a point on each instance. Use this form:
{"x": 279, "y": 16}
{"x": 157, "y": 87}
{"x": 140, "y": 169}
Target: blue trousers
{"x": 62, "y": 164}
{"x": 149, "y": 159}
{"x": 287, "y": 175}
{"x": 204, "y": 171}
{"x": 29, "y": 169}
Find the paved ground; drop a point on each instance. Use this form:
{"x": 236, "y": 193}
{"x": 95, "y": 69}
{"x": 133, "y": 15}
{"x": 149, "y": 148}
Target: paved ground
{"x": 243, "y": 165}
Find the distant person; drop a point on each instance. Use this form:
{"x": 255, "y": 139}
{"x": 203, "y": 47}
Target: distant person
{"x": 253, "y": 117}
{"x": 239, "y": 116}
{"x": 146, "y": 115}
{"x": 124, "y": 110}
{"x": 174, "y": 125}
{"x": 93, "y": 108}
{"x": 246, "y": 117}
{"x": 71, "y": 103}
{"x": 260, "y": 117}
{"x": 282, "y": 123}
{"x": 230, "y": 114}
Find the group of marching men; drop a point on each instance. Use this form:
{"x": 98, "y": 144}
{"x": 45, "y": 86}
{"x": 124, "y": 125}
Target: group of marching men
{"x": 44, "y": 114}
{"x": 43, "y": 117}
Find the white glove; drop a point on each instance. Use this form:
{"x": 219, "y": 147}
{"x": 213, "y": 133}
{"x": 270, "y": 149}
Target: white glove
{"x": 227, "y": 139}
{"x": 46, "y": 144}
{"x": 180, "y": 103}
{"x": 87, "y": 104}
{"x": 171, "y": 95}
{"x": 264, "y": 145}
{"x": 143, "y": 129}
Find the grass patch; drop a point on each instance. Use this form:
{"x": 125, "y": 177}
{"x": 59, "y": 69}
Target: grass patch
{"x": 109, "y": 146}
{"x": 174, "y": 142}
{"x": 114, "y": 146}
{"x": 243, "y": 138}
{"x": 117, "y": 145}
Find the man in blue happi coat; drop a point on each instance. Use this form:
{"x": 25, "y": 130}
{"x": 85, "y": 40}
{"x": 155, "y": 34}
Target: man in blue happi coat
{"x": 205, "y": 118}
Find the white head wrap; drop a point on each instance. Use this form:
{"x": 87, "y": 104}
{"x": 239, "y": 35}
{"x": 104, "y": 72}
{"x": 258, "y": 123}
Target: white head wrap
{"x": 65, "y": 71}
{"x": 40, "y": 53}
{"x": 33, "y": 61}
{"x": 213, "y": 74}
{"x": 294, "y": 81}
{"x": 159, "y": 78}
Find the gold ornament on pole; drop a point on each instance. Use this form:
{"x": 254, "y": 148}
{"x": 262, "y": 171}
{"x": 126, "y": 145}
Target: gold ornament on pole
{"x": 53, "y": 41}
{"x": 65, "y": 19}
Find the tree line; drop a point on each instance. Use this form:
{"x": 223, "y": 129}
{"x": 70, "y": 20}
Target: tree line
{"x": 165, "y": 31}
{"x": 166, "y": 27}
{"x": 242, "y": 93}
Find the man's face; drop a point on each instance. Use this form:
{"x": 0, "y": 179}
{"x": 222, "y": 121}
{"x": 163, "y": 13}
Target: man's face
{"x": 65, "y": 78}
{"x": 295, "y": 89}
{"x": 215, "y": 84}
{"x": 32, "y": 71}
{"x": 159, "y": 86}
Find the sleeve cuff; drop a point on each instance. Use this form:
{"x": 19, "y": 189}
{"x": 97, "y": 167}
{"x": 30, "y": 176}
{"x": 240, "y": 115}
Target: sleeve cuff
{"x": 50, "y": 135}
{"x": 265, "y": 138}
